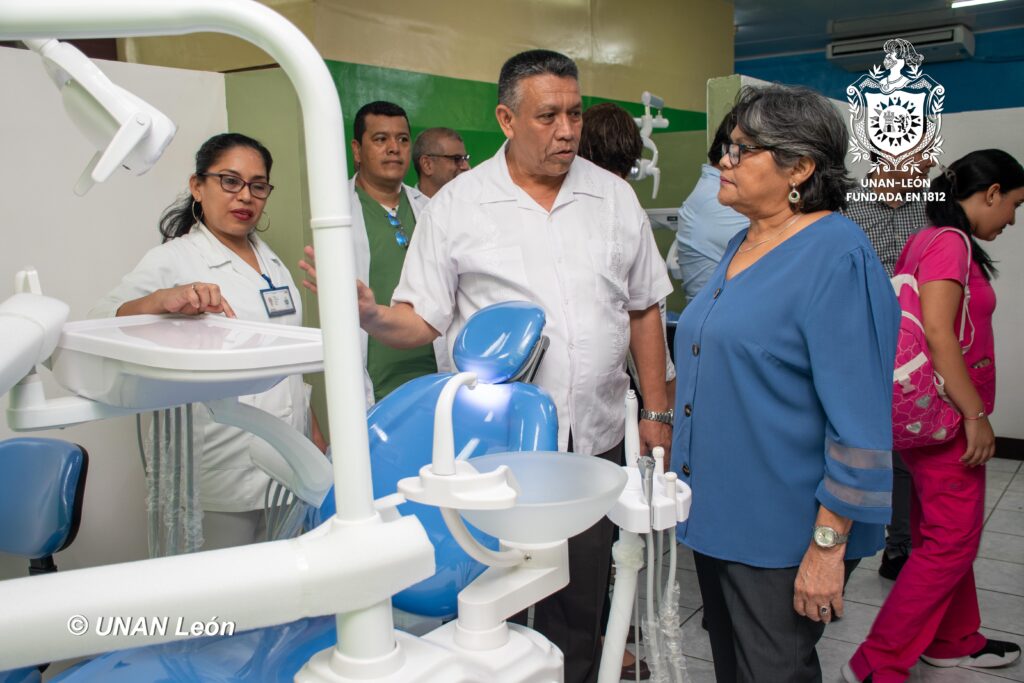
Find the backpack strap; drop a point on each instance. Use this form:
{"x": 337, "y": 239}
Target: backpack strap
{"x": 917, "y": 256}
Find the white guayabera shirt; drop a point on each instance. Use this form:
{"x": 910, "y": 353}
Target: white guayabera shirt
{"x": 588, "y": 262}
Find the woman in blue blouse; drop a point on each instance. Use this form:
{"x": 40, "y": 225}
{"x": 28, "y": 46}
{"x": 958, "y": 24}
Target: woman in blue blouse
{"x": 783, "y": 426}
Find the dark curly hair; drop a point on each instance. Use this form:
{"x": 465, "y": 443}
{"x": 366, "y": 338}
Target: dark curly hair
{"x": 610, "y": 138}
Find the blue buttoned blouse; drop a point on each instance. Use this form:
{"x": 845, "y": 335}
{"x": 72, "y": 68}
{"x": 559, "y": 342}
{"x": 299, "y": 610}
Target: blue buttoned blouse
{"x": 784, "y": 397}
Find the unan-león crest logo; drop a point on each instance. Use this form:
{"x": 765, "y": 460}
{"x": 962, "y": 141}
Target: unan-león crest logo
{"x": 896, "y": 112}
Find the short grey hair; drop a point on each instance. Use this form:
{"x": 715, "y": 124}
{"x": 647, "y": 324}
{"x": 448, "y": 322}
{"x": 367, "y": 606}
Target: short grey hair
{"x": 426, "y": 143}
{"x": 797, "y": 122}
{"x": 531, "y": 63}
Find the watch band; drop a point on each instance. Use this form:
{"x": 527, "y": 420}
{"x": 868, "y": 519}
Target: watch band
{"x": 665, "y": 417}
{"x": 827, "y": 537}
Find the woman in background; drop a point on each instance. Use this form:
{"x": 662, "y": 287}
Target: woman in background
{"x": 611, "y": 139}
{"x": 212, "y": 261}
{"x": 932, "y": 610}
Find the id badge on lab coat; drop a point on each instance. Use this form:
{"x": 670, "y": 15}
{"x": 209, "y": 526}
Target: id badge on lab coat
{"x": 278, "y": 301}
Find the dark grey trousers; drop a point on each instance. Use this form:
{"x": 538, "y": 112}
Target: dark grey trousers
{"x": 897, "y": 533}
{"x": 756, "y": 636}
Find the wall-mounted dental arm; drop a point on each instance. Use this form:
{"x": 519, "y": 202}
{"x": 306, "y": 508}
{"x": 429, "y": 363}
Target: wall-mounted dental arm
{"x": 127, "y": 131}
{"x": 648, "y": 168}
{"x": 252, "y": 586}
{"x": 31, "y": 325}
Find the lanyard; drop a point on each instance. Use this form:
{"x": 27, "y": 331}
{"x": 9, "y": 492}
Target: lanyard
{"x": 277, "y": 300}
{"x": 263, "y": 267}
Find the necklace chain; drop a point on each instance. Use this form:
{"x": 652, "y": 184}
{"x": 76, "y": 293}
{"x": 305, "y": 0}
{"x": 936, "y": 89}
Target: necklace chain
{"x": 789, "y": 223}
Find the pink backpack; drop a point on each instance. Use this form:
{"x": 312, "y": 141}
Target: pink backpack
{"x": 921, "y": 413}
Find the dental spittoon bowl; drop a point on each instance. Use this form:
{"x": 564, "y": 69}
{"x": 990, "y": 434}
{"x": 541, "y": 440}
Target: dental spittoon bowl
{"x": 561, "y": 495}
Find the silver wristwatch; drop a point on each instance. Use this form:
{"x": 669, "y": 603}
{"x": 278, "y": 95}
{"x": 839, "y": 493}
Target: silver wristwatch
{"x": 664, "y": 417}
{"x": 827, "y": 537}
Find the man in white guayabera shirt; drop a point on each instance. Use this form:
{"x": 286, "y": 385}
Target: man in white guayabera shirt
{"x": 537, "y": 223}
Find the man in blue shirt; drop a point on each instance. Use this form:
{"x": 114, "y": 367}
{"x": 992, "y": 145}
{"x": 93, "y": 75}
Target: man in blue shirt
{"x": 705, "y": 226}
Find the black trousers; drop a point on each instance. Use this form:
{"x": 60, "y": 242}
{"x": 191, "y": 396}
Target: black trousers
{"x": 756, "y": 636}
{"x": 571, "y": 618}
{"x": 897, "y": 533}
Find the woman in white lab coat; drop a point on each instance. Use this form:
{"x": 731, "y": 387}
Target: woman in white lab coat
{"x": 213, "y": 262}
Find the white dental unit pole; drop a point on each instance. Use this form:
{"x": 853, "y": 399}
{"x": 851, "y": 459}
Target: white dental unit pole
{"x": 651, "y": 503}
{"x": 366, "y": 634}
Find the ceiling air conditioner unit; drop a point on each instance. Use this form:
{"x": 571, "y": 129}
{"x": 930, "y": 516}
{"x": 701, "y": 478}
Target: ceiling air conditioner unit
{"x": 940, "y": 44}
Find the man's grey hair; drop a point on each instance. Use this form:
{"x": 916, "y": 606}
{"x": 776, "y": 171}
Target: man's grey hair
{"x": 531, "y": 63}
{"x": 426, "y": 143}
{"x": 796, "y": 122}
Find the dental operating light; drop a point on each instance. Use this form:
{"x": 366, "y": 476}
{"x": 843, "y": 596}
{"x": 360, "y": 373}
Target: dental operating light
{"x": 648, "y": 168}
{"x": 126, "y": 131}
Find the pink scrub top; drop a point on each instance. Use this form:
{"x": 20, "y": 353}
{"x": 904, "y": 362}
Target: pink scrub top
{"x": 946, "y": 259}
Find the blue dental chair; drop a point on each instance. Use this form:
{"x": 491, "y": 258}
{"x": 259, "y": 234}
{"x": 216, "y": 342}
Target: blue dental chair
{"x": 42, "y": 486}
{"x": 503, "y": 344}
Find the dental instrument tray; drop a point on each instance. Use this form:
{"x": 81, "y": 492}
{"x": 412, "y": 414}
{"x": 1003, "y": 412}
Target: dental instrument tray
{"x": 150, "y": 362}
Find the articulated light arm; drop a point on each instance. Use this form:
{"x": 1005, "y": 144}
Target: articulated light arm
{"x": 127, "y": 131}
{"x": 648, "y": 168}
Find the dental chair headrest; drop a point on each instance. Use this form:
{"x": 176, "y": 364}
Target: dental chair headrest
{"x": 501, "y": 342}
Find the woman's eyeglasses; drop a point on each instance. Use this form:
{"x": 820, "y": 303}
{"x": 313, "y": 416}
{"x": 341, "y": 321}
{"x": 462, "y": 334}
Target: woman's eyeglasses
{"x": 401, "y": 239}
{"x": 736, "y": 150}
{"x": 234, "y": 184}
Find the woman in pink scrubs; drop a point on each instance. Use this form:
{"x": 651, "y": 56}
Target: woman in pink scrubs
{"x": 932, "y": 611}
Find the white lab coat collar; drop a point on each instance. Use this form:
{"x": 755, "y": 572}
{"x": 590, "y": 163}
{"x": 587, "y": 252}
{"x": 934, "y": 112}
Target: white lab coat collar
{"x": 215, "y": 253}
{"x": 361, "y": 247}
{"x": 417, "y": 200}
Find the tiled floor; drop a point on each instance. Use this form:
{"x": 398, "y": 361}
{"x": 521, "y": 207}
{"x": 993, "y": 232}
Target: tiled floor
{"x": 999, "y": 571}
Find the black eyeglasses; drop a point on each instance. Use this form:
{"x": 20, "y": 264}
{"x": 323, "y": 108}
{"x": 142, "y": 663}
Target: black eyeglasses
{"x": 401, "y": 239}
{"x": 457, "y": 158}
{"x": 736, "y": 150}
{"x": 234, "y": 184}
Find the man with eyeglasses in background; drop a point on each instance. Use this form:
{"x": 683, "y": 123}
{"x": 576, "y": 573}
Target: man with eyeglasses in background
{"x": 438, "y": 155}
{"x": 384, "y": 212}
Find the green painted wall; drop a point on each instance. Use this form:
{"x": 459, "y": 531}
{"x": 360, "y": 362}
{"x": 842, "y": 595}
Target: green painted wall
{"x": 468, "y": 107}
{"x": 262, "y": 103}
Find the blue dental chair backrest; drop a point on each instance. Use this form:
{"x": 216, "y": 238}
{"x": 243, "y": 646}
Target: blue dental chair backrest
{"x": 499, "y": 343}
{"x": 42, "y": 482}
{"x": 42, "y": 485}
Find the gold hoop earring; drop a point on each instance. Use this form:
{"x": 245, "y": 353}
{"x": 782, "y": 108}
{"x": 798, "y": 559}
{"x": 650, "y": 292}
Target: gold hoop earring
{"x": 794, "y": 195}
{"x": 194, "y": 204}
{"x": 257, "y": 228}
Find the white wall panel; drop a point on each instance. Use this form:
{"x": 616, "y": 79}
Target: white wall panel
{"x": 82, "y": 246}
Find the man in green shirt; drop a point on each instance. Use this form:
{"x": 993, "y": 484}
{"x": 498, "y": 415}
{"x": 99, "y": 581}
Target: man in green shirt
{"x": 384, "y": 212}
